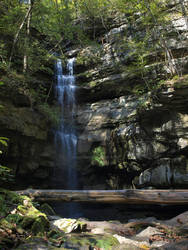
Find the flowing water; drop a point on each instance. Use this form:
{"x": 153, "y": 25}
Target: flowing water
{"x": 65, "y": 175}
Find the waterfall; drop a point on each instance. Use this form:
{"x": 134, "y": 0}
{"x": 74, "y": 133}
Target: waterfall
{"x": 66, "y": 139}
{"x": 65, "y": 175}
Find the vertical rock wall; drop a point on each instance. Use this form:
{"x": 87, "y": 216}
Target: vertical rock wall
{"x": 130, "y": 136}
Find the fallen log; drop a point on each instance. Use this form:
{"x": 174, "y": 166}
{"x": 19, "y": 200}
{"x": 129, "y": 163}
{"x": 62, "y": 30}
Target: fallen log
{"x": 128, "y": 196}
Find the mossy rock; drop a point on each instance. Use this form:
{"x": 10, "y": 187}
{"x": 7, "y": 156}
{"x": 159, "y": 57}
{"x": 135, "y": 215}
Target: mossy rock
{"x": 5, "y": 224}
{"x": 27, "y": 222}
{"x": 47, "y": 209}
{"x": 30, "y": 211}
{"x": 40, "y": 225}
{"x": 22, "y": 209}
{"x": 14, "y": 218}
{"x": 25, "y": 217}
{"x": 54, "y": 234}
{"x": 105, "y": 242}
{"x": 56, "y": 237}
{"x": 34, "y": 243}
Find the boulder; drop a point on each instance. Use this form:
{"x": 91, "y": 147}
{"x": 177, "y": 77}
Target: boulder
{"x": 68, "y": 225}
{"x": 131, "y": 243}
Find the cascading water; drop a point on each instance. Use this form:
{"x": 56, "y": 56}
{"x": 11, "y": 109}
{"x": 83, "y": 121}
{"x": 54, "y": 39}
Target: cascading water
{"x": 65, "y": 137}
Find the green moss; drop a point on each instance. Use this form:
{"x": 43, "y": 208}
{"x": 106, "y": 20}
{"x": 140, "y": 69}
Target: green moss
{"x": 40, "y": 225}
{"x": 93, "y": 84}
{"x": 101, "y": 241}
{"x": 22, "y": 209}
{"x": 55, "y": 234}
{"x": 14, "y": 218}
{"x": 24, "y": 197}
{"x": 27, "y": 222}
{"x": 55, "y": 237}
{"x": 107, "y": 242}
{"x": 47, "y": 209}
{"x": 26, "y": 216}
{"x": 30, "y": 211}
{"x": 98, "y": 156}
{"x": 4, "y": 223}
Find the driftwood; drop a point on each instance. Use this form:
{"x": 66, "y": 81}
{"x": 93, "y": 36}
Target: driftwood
{"x": 128, "y": 196}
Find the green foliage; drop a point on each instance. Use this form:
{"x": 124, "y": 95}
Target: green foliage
{"x": 6, "y": 175}
{"x": 98, "y": 156}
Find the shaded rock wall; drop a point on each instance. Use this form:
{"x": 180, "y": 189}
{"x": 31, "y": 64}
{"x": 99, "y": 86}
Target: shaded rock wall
{"x": 144, "y": 139}
{"x": 30, "y": 151}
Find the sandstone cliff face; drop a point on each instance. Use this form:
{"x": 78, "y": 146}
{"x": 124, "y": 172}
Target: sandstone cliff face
{"x": 128, "y": 136}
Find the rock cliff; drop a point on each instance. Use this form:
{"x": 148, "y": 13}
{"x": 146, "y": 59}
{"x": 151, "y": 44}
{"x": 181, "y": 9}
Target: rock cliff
{"x": 132, "y": 134}
{"x": 30, "y": 151}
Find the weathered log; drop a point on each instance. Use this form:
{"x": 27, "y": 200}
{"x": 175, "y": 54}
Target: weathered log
{"x": 128, "y": 196}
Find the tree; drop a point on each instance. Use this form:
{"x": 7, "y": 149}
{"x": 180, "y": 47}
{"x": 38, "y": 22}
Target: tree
{"x": 27, "y": 18}
{"x": 25, "y": 60}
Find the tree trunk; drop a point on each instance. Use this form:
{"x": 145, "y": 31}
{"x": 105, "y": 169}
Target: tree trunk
{"x": 127, "y": 196}
{"x": 25, "y": 59}
{"x": 18, "y": 32}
